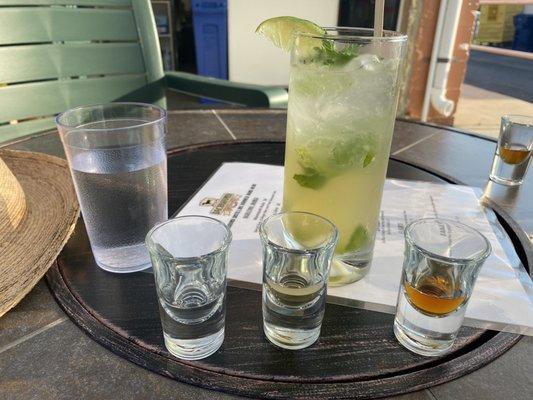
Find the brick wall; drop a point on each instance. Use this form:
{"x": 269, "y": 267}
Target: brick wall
{"x": 421, "y": 55}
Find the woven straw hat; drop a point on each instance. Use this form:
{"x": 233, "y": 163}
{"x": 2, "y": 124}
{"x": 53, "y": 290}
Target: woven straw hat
{"x": 38, "y": 212}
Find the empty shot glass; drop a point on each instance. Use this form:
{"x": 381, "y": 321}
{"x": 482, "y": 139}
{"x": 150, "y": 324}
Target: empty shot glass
{"x": 189, "y": 256}
{"x": 442, "y": 261}
{"x": 513, "y": 152}
{"x": 297, "y": 252}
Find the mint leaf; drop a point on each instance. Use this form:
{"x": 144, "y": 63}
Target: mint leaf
{"x": 356, "y": 152}
{"x": 324, "y": 158}
{"x": 342, "y": 154}
{"x": 370, "y": 156}
{"x": 310, "y": 179}
{"x": 304, "y": 158}
{"x": 329, "y": 55}
{"x": 358, "y": 239}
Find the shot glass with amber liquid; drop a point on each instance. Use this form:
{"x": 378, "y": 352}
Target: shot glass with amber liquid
{"x": 513, "y": 153}
{"x": 441, "y": 264}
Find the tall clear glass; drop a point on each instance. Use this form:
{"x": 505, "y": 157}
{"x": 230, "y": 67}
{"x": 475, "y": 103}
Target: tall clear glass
{"x": 116, "y": 153}
{"x": 513, "y": 152}
{"x": 343, "y": 96}
{"x": 442, "y": 261}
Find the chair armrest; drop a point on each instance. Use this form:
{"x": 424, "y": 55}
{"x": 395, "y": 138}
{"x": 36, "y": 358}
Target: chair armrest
{"x": 220, "y": 89}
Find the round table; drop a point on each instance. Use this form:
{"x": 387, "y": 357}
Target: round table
{"x": 444, "y": 152}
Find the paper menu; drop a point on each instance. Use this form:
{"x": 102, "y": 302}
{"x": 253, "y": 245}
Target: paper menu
{"x": 242, "y": 194}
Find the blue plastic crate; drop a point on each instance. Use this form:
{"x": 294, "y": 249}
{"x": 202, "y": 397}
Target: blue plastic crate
{"x": 210, "y": 22}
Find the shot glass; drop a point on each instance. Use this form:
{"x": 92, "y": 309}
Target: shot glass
{"x": 297, "y": 252}
{"x": 117, "y": 158}
{"x": 189, "y": 256}
{"x": 442, "y": 261}
{"x": 513, "y": 153}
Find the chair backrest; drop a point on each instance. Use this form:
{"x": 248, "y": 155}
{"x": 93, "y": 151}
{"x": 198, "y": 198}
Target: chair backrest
{"x": 59, "y": 54}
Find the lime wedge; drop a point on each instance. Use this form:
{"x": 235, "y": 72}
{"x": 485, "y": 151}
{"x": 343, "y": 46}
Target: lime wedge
{"x": 281, "y": 30}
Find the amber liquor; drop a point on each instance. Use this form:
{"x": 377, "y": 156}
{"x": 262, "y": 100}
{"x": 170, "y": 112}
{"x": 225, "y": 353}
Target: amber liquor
{"x": 510, "y": 164}
{"x": 434, "y": 295}
{"x": 514, "y": 154}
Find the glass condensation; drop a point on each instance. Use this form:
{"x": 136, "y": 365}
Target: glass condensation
{"x": 116, "y": 153}
{"x": 297, "y": 252}
{"x": 189, "y": 256}
{"x": 441, "y": 264}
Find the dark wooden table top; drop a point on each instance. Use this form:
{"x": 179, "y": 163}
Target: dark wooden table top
{"x": 44, "y": 355}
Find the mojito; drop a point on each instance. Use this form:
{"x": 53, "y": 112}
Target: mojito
{"x": 343, "y": 95}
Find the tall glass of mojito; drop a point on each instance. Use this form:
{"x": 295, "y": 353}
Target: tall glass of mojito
{"x": 343, "y": 95}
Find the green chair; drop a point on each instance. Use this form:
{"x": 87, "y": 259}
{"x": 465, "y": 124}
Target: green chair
{"x": 59, "y": 54}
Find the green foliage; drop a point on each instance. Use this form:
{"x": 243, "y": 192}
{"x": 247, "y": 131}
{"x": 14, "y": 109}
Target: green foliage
{"x": 322, "y": 159}
{"x": 329, "y": 55}
{"x": 310, "y": 179}
{"x": 358, "y": 239}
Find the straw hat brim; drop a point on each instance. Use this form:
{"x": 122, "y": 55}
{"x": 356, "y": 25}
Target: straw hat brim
{"x": 28, "y": 251}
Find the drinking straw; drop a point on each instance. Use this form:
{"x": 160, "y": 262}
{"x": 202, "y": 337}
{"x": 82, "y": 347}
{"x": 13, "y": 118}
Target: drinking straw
{"x": 379, "y": 10}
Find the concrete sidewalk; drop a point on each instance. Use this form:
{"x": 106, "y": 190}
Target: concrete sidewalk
{"x": 479, "y": 110}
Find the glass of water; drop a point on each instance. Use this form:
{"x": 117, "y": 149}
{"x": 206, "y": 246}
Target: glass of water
{"x": 116, "y": 153}
{"x": 297, "y": 252}
{"x": 513, "y": 153}
{"x": 189, "y": 256}
{"x": 442, "y": 260}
